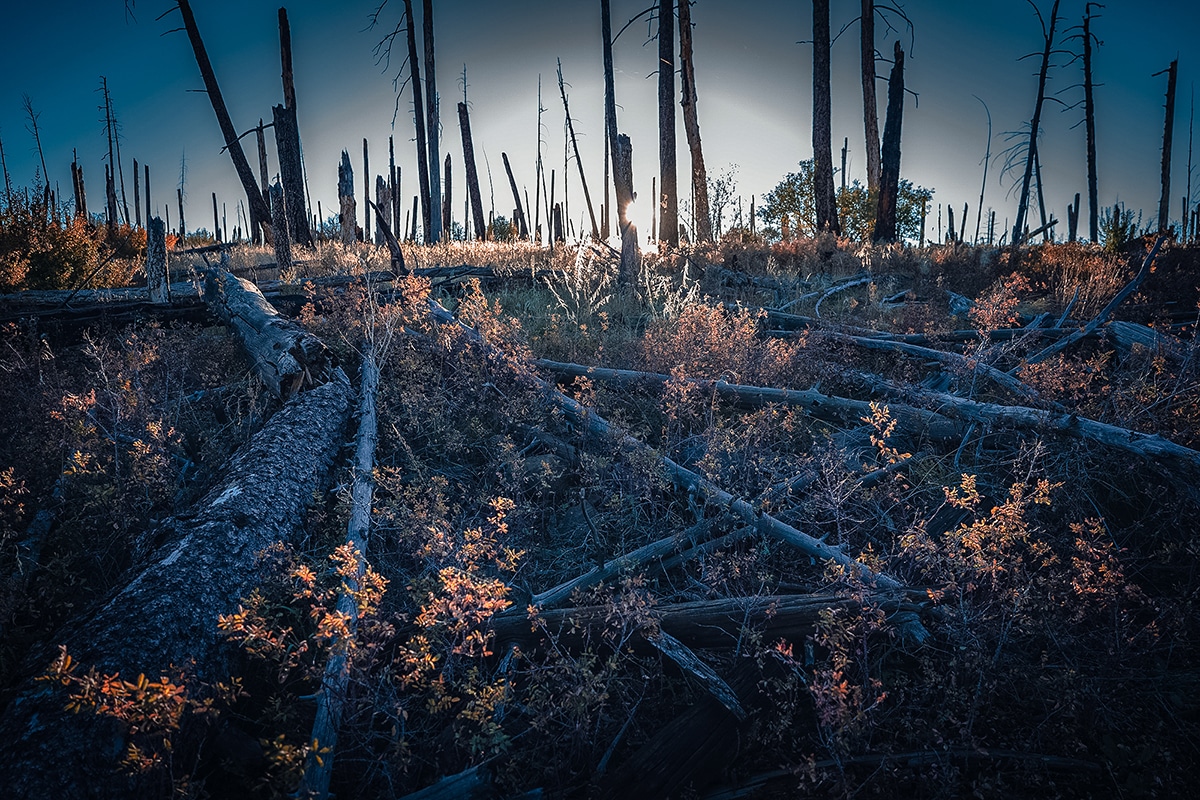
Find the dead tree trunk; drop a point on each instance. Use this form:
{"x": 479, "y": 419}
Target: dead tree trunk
{"x": 631, "y": 254}
{"x": 434, "y": 129}
{"x": 137, "y": 198}
{"x": 822, "y": 136}
{"x": 279, "y": 225}
{"x": 691, "y": 125}
{"x": 447, "y": 208}
{"x": 157, "y": 282}
{"x": 889, "y": 181}
{"x": 288, "y": 358}
{"x": 287, "y": 142}
{"x": 1018, "y": 232}
{"x": 870, "y": 103}
{"x": 419, "y": 121}
{"x": 575, "y": 146}
{"x": 1073, "y": 219}
{"x": 464, "y": 127}
{"x": 381, "y": 201}
{"x": 1089, "y": 116}
{"x": 347, "y": 214}
{"x": 668, "y": 198}
{"x": 1164, "y": 203}
{"x": 518, "y": 212}
{"x": 254, "y": 197}
{"x": 145, "y": 167}
{"x": 366, "y": 176}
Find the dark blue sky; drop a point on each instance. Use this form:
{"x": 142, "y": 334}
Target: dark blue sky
{"x": 753, "y": 80}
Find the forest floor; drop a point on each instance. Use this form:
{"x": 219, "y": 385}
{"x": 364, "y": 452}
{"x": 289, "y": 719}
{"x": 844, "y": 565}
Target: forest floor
{"x": 805, "y": 519}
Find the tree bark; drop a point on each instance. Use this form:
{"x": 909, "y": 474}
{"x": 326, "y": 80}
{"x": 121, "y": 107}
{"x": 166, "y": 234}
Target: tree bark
{"x": 157, "y": 282}
{"x": 254, "y": 197}
{"x": 434, "y": 128}
{"x": 870, "y": 103}
{"x": 279, "y": 225}
{"x": 668, "y": 197}
{"x": 889, "y": 181}
{"x": 631, "y": 255}
{"x": 286, "y": 357}
{"x": 822, "y": 136}
{"x": 166, "y": 618}
{"x": 691, "y": 126}
{"x": 1164, "y": 203}
{"x": 291, "y": 173}
{"x": 1089, "y": 116}
{"x": 518, "y": 212}
{"x": 1018, "y": 231}
{"x": 419, "y": 122}
{"x": 464, "y": 126}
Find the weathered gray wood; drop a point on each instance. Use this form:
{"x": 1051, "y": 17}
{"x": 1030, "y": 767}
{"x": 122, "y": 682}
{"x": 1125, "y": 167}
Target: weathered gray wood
{"x": 156, "y": 262}
{"x": 286, "y": 357}
{"x": 464, "y": 127}
{"x": 281, "y": 236}
{"x": 330, "y": 696}
{"x": 700, "y": 672}
{"x": 203, "y": 563}
{"x": 347, "y": 214}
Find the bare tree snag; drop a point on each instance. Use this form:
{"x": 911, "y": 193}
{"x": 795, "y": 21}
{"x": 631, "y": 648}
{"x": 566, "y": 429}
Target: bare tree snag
{"x": 288, "y": 358}
{"x": 203, "y": 564}
{"x": 870, "y": 104}
{"x": 518, "y": 212}
{"x": 691, "y": 126}
{"x": 1018, "y": 231}
{"x": 987, "y": 159}
{"x": 291, "y": 173}
{"x": 1089, "y": 116}
{"x": 137, "y": 199}
{"x": 889, "y": 180}
{"x": 447, "y": 200}
{"x": 146, "y": 167}
{"x": 254, "y": 198}
{"x": 318, "y": 769}
{"x": 419, "y": 120}
{"x": 668, "y": 197}
{"x": 1164, "y": 203}
{"x": 389, "y": 238}
{"x": 347, "y": 215}
{"x": 575, "y": 147}
{"x": 279, "y": 225}
{"x": 631, "y": 254}
{"x": 822, "y": 136}
{"x": 464, "y": 127}
{"x": 157, "y": 282}
{"x": 366, "y": 176}
{"x": 434, "y": 128}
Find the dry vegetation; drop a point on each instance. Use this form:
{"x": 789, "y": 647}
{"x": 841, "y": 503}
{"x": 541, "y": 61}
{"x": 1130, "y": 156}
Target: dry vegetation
{"x": 1056, "y": 576}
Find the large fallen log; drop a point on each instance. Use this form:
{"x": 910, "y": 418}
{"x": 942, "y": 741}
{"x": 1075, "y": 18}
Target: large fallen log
{"x": 166, "y": 617}
{"x": 286, "y": 356}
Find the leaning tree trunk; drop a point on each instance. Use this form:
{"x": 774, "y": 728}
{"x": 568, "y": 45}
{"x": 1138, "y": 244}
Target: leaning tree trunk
{"x": 889, "y": 181}
{"x": 1164, "y": 203}
{"x": 204, "y": 562}
{"x": 822, "y": 137}
{"x": 1018, "y": 231}
{"x": 434, "y": 129}
{"x": 464, "y": 126}
{"x": 668, "y": 190}
{"x": 1089, "y": 116}
{"x": 691, "y": 125}
{"x": 518, "y": 212}
{"x": 254, "y": 198}
{"x": 870, "y": 104}
{"x": 287, "y": 142}
{"x": 578, "y": 161}
{"x": 419, "y": 122}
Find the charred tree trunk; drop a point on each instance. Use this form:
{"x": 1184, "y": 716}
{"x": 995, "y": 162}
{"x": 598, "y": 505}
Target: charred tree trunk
{"x": 447, "y": 208}
{"x": 419, "y": 120}
{"x": 431, "y": 106}
{"x": 279, "y": 233}
{"x": 575, "y": 147}
{"x": 145, "y": 167}
{"x": 347, "y": 214}
{"x": 889, "y": 181}
{"x": 631, "y": 255}
{"x": 691, "y": 125}
{"x": 464, "y": 126}
{"x": 668, "y": 198}
{"x": 1018, "y": 232}
{"x": 182, "y": 222}
{"x": 366, "y": 176}
{"x": 822, "y": 136}
{"x": 287, "y": 142}
{"x": 157, "y": 280}
{"x": 1089, "y": 116}
{"x": 254, "y": 197}
{"x": 381, "y": 202}
{"x": 137, "y": 197}
{"x": 1164, "y": 203}
{"x": 518, "y": 212}
{"x": 870, "y": 103}
{"x": 1073, "y": 219}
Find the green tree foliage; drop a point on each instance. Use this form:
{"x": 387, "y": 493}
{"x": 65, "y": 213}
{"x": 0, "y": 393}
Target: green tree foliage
{"x": 793, "y": 196}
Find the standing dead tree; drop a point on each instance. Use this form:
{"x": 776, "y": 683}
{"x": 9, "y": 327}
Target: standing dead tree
{"x": 464, "y": 126}
{"x": 347, "y": 214}
{"x": 287, "y": 142}
{"x": 1164, "y": 203}
{"x": 822, "y": 136}
{"x": 691, "y": 125}
{"x": 1031, "y": 154}
{"x": 575, "y": 147}
{"x": 987, "y": 158}
{"x": 1089, "y": 116}
{"x": 259, "y": 211}
{"x": 621, "y": 151}
{"x": 518, "y": 211}
{"x": 870, "y": 104}
{"x": 889, "y": 179}
{"x": 668, "y": 188}
{"x": 434, "y": 233}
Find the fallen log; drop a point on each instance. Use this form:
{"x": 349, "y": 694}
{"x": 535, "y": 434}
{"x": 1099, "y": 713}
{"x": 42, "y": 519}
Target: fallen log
{"x": 286, "y": 357}
{"x": 828, "y": 408}
{"x": 203, "y": 563}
